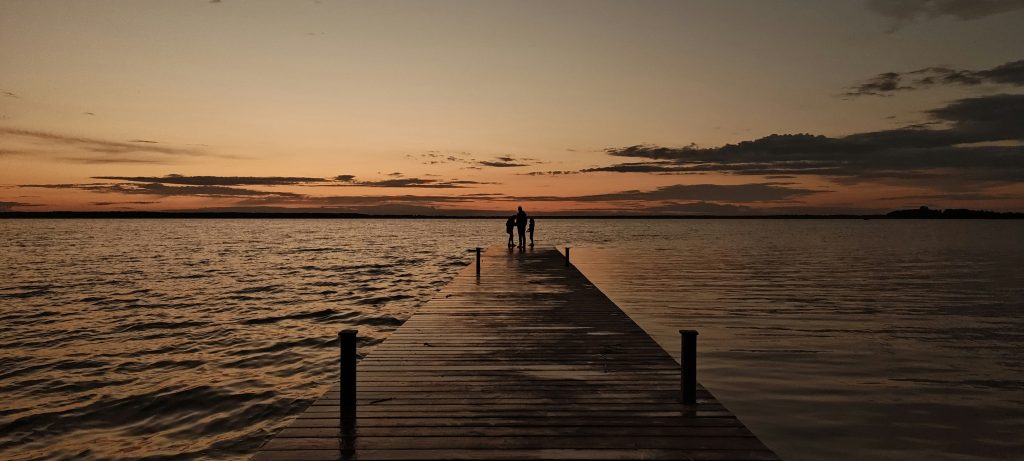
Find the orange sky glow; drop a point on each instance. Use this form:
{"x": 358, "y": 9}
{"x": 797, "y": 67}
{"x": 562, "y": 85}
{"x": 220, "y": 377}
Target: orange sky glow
{"x": 465, "y": 107}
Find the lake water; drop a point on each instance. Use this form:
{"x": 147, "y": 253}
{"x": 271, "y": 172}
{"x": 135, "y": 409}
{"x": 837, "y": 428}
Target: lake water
{"x": 195, "y": 339}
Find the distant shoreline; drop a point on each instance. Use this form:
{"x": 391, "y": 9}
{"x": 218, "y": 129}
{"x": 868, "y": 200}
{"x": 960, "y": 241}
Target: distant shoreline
{"x": 922, "y": 213}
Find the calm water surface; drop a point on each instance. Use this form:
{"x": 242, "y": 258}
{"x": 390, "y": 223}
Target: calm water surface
{"x": 195, "y": 339}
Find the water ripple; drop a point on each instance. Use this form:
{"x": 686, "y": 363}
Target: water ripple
{"x": 160, "y": 340}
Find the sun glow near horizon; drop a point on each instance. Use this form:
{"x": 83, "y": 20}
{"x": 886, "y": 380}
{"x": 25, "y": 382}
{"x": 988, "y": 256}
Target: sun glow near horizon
{"x": 460, "y": 107}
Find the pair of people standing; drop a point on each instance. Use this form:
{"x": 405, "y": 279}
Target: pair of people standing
{"x": 519, "y": 220}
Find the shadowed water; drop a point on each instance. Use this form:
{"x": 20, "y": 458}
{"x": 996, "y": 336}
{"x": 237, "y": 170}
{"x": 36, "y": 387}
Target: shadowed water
{"x": 191, "y": 339}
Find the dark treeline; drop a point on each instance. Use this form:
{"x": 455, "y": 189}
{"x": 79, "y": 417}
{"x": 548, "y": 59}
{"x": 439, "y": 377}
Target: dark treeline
{"x": 951, "y": 213}
{"x": 919, "y": 213}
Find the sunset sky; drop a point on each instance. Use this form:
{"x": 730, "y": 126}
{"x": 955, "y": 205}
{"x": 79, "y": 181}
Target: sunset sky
{"x": 448, "y": 107}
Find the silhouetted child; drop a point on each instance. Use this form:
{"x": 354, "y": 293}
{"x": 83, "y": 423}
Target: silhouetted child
{"x": 532, "y": 223}
{"x": 511, "y": 223}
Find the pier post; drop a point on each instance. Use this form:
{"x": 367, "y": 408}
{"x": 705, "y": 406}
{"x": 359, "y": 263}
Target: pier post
{"x": 477, "y": 261}
{"x": 566, "y": 256}
{"x": 688, "y": 366}
{"x": 347, "y": 403}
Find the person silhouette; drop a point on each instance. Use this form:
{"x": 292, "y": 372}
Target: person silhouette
{"x": 521, "y": 224}
{"x": 532, "y": 223}
{"x": 508, "y": 229}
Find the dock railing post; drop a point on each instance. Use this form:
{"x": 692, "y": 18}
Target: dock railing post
{"x": 478, "y": 261}
{"x": 566, "y": 256}
{"x": 347, "y": 403}
{"x": 688, "y": 366}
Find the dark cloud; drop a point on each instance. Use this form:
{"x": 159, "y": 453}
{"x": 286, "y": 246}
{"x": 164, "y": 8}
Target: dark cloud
{"x": 733, "y": 193}
{"x": 340, "y": 180}
{"x": 508, "y": 161}
{"x": 639, "y": 167}
{"x": 436, "y": 157}
{"x": 375, "y": 204}
{"x": 904, "y": 11}
{"x": 550, "y": 173}
{"x": 10, "y": 206}
{"x": 505, "y": 161}
{"x": 216, "y": 180}
{"x": 165, "y": 190}
{"x": 1010, "y": 73}
{"x": 398, "y": 182}
{"x": 123, "y": 203}
{"x": 80, "y": 149}
{"x": 885, "y": 84}
{"x": 404, "y": 182}
{"x": 881, "y": 85}
{"x": 979, "y": 142}
{"x": 361, "y": 200}
{"x": 501, "y": 163}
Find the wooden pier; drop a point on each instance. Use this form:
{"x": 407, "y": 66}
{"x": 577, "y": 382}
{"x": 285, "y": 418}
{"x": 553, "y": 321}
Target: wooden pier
{"x": 527, "y": 361}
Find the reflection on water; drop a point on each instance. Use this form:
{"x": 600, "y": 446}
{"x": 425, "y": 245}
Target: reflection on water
{"x": 197, "y": 339}
{"x": 841, "y": 339}
{"x": 193, "y": 338}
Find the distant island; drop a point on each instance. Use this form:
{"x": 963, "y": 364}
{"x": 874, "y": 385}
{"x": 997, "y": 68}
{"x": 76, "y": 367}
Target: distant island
{"x": 917, "y": 213}
{"x": 951, "y": 213}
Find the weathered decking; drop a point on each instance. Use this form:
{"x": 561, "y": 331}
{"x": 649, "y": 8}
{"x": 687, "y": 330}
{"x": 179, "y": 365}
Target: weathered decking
{"x": 528, "y": 361}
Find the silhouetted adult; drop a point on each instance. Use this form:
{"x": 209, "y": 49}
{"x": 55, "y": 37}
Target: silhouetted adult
{"x": 521, "y": 224}
{"x": 508, "y": 228}
{"x": 532, "y": 223}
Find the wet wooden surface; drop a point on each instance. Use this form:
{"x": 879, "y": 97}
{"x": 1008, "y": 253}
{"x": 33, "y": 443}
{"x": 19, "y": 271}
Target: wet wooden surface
{"x": 528, "y": 361}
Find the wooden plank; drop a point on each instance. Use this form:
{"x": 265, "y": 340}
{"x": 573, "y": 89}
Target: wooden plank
{"x": 518, "y": 431}
{"x": 519, "y": 443}
{"x": 495, "y": 421}
{"x": 471, "y": 454}
{"x": 528, "y": 361}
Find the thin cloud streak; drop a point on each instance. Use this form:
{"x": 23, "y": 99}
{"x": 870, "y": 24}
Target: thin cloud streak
{"x": 350, "y": 181}
{"x": 732, "y": 193}
{"x": 217, "y": 180}
{"x": 136, "y": 202}
{"x": 504, "y": 161}
{"x": 345, "y": 180}
{"x": 10, "y": 206}
{"x": 80, "y": 149}
{"x": 164, "y": 190}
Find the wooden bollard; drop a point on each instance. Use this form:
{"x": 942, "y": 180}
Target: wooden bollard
{"x": 477, "y": 261}
{"x": 688, "y": 366}
{"x": 347, "y": 404}
{"x": 566, "y": 256}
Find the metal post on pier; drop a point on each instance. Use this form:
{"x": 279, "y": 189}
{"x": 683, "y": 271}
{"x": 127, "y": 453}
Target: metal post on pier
{"x": 688, "y": 366}
{"x": 347, "y": 403}
{"x": 478, "y": 261}
{"x": 566, "y": 256}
